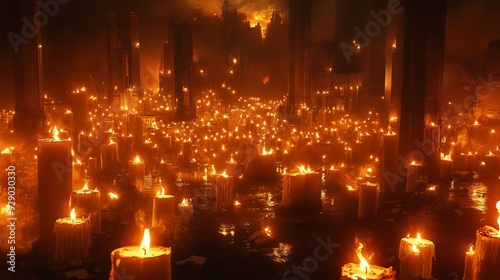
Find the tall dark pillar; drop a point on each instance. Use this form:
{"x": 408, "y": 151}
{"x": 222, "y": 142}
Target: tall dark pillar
{"x": 300, "y": 53}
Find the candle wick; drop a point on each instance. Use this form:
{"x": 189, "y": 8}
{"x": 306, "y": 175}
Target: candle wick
{"x": 144, "y": 249}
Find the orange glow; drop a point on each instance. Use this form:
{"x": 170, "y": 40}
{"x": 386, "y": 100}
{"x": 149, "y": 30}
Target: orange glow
{"x": 364, "y": 266}
{"x": 146, "y": 242}
{"x": 72, "y": 215}
{"x": 185, "y": 202}
{"x": 137, "y": 160}
{"x": 498, "y": 209}
{"x": 113, "y": 195}
{"x": 55, "y": 134}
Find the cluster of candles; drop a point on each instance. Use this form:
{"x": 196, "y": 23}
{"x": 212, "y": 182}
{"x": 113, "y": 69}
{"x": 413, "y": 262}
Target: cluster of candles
{"x": 265, "y": 140}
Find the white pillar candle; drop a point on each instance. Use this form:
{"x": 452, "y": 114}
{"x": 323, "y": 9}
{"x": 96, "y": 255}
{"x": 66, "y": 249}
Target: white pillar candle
{"x": 368, "y": 201}
{"x": 416, "y": 256}
{"x": 142, "y": 262}
{"x": 72, "y": 238}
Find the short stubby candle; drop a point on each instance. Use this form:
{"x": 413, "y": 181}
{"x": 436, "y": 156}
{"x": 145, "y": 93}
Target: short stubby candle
{"x": 89, "y": 202}
{"x": 363, "y": 270}
{"x": 416, "y": 256}
{"x": 72, "y": 238}
{"x": 142, "y": 262}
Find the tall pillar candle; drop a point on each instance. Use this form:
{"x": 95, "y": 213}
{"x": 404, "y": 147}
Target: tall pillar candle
{"x": 54, "y": 185}
{"x": 78, "y": 174}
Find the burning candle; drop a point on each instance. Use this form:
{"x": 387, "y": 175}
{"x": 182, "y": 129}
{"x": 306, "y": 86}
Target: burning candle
{"x": 186, "y": 210}
{"x": 237, "y": 207}
{"x": 78, "y": 174}
{"x": 89, "y": 203}
{"x": 416, "y": 255}
{"x": 142, "y": 262}
{"x": 470, "y": 160}
{"x": 368, "y": 201}
{"x": 487, "y": 265}
{"x": 412, "y": 176}
{"x": 163, "y": 207}
{"x": 446, "y": 167}
{"x": 364, "y": 270}
{"x": 224, "y": 185}
{"x": 72, "y": 237}
{"x": 334, "y": 178}
{"x": 54, "y": 185}
{"x": 137, "y": 172}
{"x": 469, "y": 264}
{"x": 109, "y": 154}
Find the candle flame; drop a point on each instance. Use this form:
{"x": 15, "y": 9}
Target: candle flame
{"x": 419, "y": 239}
{"x": 161, "y": 193}
{"x": 471, "y": 249}
{"x": 85, "y": 187}
{"x": 364, "y": 266}
{"x": 112, "y": 195}
{"x": 72, "y": 215}
{"x": 145, "y": 244}
{"x": 236, "y": 203}
{"x": 184, "y": 202}
{"x": 415, "y": 249}
{"x": 137, "y": 159}
{"x": 268, "y": 232}
{"x": 55, "y": 134}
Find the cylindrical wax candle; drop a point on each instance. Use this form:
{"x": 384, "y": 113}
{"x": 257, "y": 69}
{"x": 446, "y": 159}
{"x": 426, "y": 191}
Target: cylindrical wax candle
{"x": 143, "y": 262}
{"x": 416, "y": 257}
{"x": 368, "y": 201}
{"x": 487, "y": 263}
{"x": 54, "y": 185}
{"x": 72, "y": 238}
